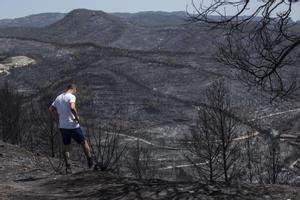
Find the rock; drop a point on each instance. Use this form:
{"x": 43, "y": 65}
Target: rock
{"x": 15, "y": 62}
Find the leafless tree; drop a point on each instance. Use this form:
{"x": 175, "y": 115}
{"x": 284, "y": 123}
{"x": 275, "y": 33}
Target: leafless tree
{"x": 273, "y": 161}
{"x": 46, "y": 129}
{"x": 213, "y": 151}
{"x": 265, "y": 161}
{"x": 41, "y": 134}
{"x": 205, "y": 151}
{"x": 253, "y": 158}
{"x": 11, "y": 114}
{"x": 249, "y": 157}
{"x": 106, "y": 146}
{"x": 140, "y": 161}
{"x": 260, "y": 41}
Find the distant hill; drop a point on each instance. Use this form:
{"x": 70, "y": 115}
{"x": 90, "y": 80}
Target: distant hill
{"x": 154, "y": 19}
{"x": 141, "y": 31}
{"x": 143, "y": 19}
{"x": 167, "y": 31}
{"x": 83, "y": 25}
{"x": 149, "y": 18}
{"x": 37, "y": 20}
{"x": 80, "y": 25}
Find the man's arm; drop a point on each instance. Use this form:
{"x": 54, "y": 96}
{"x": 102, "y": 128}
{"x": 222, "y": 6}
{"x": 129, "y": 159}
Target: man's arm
{"x": 53, "y": 112}
{"x": 74, "y": 111}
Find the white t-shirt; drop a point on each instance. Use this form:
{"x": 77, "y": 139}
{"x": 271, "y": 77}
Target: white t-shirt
{"x": 62, "y": 105}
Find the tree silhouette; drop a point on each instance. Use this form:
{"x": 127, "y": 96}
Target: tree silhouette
{"x": 259, "y": 42}
{"x": 211, "y": 142}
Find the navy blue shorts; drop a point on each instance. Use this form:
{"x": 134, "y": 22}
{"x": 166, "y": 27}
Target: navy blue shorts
{"x": 76, "y": 134}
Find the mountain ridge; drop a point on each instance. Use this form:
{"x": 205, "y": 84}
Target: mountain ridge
{"x": 34, "y": 20}
{"x": 108, "y": 30}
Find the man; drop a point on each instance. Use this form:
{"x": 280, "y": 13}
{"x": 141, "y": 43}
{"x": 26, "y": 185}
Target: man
{"x": 64, "y": 106}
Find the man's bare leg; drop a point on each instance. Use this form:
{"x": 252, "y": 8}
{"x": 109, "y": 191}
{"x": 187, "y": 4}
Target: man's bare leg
{"x": 87, "y": 152}
{"x": 86, "y": 149}
{"x": 66, "y": 150}
{"x": 66, "y": 154}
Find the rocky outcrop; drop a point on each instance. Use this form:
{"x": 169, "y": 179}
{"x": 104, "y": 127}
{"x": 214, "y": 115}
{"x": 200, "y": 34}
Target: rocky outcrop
{"x": 15, "y": 62}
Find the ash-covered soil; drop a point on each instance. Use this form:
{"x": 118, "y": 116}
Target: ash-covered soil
{"x": 24, "y": 175}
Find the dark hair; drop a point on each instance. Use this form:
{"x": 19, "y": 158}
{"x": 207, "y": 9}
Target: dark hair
{"x": 71, "y": 86}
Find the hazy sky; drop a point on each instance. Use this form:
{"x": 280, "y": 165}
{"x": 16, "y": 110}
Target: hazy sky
{"x": 19, "y": 8}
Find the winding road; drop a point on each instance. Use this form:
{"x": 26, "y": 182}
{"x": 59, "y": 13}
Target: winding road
{"x": 235, "y": 139}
